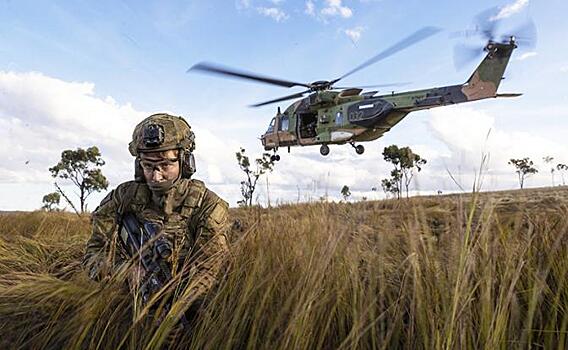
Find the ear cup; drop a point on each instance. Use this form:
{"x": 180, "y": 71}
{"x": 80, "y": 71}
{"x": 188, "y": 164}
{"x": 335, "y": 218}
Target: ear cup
{"x": 138, "y": 172}
{"x": 187, "y": 164}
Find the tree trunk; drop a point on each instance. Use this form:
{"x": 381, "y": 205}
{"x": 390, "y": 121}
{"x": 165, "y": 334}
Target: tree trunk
{"x": 82, "y": 199}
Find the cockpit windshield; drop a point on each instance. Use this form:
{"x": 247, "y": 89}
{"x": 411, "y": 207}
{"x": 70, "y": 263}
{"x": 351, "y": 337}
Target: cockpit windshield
{"x": 271, "y": 126}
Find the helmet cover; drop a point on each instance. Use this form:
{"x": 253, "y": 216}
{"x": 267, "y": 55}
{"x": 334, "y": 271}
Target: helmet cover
{"x": 161, "y": 132}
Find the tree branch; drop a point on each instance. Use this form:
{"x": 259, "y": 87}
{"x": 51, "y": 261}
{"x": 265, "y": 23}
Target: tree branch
{"x": 66, "y": 198}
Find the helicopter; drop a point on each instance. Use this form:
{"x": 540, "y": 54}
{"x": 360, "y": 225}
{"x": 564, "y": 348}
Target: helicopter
{"x": 347, "y": 115}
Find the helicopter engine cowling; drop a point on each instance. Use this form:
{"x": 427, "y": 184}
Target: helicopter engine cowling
{"x": 368, "y": 112}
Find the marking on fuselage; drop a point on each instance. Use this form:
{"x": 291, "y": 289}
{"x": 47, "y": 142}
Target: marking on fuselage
{"x": 366, "y": 106}
{"x": 340, "y": 135}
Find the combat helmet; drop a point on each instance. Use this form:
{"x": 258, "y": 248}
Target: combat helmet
{"x": 161, "y": 132}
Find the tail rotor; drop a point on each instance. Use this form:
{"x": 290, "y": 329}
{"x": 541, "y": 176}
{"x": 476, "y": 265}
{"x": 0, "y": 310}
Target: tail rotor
{"x": 485, "y": 27}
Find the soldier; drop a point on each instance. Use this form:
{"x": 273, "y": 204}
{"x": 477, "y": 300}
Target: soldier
{"x": 192, "y": 218}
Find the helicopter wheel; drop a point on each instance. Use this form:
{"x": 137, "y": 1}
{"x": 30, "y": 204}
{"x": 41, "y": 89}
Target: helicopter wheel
{"x": 275, "y": 157}
{"x": 359, "y": 149}
{"x": 324, "y": 150}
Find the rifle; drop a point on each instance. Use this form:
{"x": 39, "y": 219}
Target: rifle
{"x": 153, "y": 249}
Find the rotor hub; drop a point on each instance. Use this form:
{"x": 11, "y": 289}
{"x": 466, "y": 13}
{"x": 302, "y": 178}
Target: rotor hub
{"x": 490, "y": 47}
{"x": 320, "y": 85}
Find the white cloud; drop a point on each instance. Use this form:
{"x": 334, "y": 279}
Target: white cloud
{"x": 273, "y": 12}
{"x": 306, "y": 175}
{"x": 511, "y": 9}
{"x": 564, "y": 69}
{"x": 335, "y": 8}
{"x": 243, "y": 4}
{"x": 310, "y": 8}
{"x": 527, "y": 55}
{"x": 41, "y": 116}
{"x": 354, "y": 33}
{"x": 215, "y": 157}
{"x": 470, "y": 133}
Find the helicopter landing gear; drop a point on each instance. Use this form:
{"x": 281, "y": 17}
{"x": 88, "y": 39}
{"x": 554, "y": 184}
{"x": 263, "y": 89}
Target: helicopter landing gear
{"x": 324, "y": 150}
{"x": 359, "y": 149}
{"x": 275, "y": 157}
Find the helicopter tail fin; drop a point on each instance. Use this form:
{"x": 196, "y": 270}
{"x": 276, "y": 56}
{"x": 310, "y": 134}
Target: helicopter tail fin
{"x": 485, "y": 80}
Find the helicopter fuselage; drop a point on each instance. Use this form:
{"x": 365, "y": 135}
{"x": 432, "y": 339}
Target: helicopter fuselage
{"x": 349, "y": 116}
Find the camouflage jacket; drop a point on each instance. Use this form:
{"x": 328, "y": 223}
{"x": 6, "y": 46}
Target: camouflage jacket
{"x": 194, "y": 221}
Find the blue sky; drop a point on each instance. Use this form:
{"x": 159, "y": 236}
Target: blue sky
{"x": 78, "y": 73}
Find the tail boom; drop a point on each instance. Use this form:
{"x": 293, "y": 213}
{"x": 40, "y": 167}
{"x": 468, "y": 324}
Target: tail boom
{"x": 482, "y": 84}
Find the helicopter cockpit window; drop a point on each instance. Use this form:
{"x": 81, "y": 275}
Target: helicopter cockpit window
{"x": 284, "y": 122}
{"x": 271, "y": 126}
{"x": 339, "y": 118}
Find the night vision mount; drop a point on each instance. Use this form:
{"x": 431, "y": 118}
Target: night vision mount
{"x": 153, "y": 135}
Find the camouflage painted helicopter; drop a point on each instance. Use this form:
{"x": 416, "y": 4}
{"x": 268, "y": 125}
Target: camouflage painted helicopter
{"x": 346, "y": 115}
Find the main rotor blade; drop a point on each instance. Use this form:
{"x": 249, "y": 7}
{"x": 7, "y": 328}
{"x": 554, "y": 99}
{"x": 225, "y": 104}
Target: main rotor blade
{"x": 216, "y": 69}
{"x": 371, "y": 86}
{"x": 404, "y": 43}
{"x": 284, "y": 98}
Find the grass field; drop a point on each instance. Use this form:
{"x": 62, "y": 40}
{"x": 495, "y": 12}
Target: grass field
{"x": 477, "y": 271}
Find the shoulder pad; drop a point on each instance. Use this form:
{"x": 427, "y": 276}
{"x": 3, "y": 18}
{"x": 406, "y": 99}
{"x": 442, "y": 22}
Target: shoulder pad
{"x": 195, "y": 194}
{"x": 213, "y": 197}
{"x": 220, "y": 211}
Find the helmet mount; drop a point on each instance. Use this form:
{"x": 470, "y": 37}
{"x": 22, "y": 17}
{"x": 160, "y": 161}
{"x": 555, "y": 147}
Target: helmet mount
{"x": 153, "y": 135}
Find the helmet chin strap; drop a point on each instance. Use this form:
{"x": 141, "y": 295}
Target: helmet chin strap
{"x": 176, "y": 180}
{"x": 161, "y": 188}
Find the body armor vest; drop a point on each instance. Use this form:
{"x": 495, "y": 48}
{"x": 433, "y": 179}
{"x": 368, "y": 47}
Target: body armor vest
{"x": 175, "y": 213}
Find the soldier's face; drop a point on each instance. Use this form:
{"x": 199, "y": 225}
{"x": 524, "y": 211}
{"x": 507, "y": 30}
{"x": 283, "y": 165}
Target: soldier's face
{"x": 160, "y": 166}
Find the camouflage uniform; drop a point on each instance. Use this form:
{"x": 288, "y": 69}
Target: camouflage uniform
{"x": 194, "y": 221}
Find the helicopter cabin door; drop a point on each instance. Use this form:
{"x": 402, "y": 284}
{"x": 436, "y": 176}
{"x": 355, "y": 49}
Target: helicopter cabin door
{"x": 306, "y": 128}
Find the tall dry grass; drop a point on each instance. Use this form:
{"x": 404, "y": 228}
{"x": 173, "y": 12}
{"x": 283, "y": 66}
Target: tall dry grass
{"x": 457, "y": 272}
